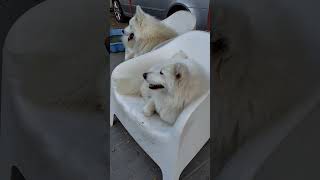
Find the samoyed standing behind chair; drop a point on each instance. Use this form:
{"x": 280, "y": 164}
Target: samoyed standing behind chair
{"x": 144, "y": 33}
{"x": 167, "y": 89}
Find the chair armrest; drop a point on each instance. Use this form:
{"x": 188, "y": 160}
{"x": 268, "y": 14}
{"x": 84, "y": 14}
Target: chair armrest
{"x": 193, "y": 128}
{"x": 192, "y": 112}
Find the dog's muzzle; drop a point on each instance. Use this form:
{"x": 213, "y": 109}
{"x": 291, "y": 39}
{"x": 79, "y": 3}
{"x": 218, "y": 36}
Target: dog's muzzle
{"x": 131, "y": 36}
{"x": 152, "y": 86}
{"x": 155, "y": 86}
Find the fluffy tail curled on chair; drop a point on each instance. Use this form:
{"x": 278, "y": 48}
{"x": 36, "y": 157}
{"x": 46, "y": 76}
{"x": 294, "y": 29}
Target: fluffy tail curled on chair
{"x": 128, "y": 86}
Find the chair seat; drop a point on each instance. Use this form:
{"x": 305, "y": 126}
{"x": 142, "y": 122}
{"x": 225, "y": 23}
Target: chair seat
{"x": 133, "y": 107}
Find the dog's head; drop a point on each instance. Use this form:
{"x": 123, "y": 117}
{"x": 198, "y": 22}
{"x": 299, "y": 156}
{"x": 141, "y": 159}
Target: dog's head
{"x": 168, "y": 77}
{"x": 135, "y": 24}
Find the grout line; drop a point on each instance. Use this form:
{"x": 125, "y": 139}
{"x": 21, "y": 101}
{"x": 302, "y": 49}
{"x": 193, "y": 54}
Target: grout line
{"x": 196, "y": 169}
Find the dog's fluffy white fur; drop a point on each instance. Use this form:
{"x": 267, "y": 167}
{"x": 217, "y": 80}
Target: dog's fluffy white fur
{"x": 167, "y": 89}
{"x": 146, "y": 33}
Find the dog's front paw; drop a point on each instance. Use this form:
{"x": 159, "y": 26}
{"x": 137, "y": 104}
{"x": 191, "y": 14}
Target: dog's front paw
{"x": 149, "y": 108}
{"x": 147, "y": 112}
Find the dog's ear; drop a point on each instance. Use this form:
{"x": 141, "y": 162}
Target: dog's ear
{"x": 180, "y": 70}
{"x": 180, "y": 55}
{"x": 139, "y": 11}
{"x": 139, "y": 14}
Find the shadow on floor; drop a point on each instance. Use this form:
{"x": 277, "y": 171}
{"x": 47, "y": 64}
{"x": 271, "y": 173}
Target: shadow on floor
{"x": 16, "y": 174}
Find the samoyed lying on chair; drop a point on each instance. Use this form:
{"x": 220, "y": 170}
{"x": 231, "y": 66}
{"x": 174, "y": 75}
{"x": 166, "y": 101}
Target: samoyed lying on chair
{"x": 168, "y": 88}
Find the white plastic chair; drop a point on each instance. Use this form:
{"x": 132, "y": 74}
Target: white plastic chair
{"x": 171, "y": 147}
{"x": 180, "y": 21}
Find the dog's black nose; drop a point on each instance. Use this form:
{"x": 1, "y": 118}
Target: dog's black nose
{"x": 145, "y": 75}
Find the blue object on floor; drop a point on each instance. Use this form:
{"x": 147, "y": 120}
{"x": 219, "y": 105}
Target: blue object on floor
{"x": 115, "y": 41}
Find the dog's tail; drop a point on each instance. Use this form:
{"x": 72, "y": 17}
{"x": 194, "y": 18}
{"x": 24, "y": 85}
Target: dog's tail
{"x": 129, "y": 86}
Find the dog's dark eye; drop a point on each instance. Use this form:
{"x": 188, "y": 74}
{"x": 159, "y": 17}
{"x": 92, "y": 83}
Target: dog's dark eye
{"x": 161, "y": 73}
{"x": 130, "y": 36}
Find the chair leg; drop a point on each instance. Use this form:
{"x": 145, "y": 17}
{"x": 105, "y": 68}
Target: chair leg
{"x": 170, "y": 173}
{"x": 112, "y": 113}
{"x": 16, "y": 174}
{"x": 111, "y": 119}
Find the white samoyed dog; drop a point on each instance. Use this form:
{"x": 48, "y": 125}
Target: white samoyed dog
{"x": 167, "y": 89}
{"x": 144, "y": 33}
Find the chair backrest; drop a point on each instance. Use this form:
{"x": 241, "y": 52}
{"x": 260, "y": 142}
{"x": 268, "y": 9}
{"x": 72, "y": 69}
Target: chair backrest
{"x": 181, "y": 21}
{"x": 196, "y": 44}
